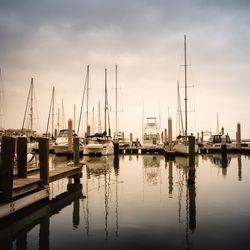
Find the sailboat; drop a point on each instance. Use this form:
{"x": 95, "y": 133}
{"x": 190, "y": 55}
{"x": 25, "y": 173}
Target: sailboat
{"x": 29, "y": 130}
{"x": 100, "y": 143}
{"x": 182, "y": 145}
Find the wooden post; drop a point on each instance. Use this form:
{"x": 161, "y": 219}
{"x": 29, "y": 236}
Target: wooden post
{"x": 131, "y": 137}
{"x": 165, "y": 136}
{"x": 222, "y": 131}
{"x": 191, "y": 142}
{"x": 6, "y": 168}
{"x": 123, "y": 137}
{"x": 88, "y": 130}
{"x": 202, "y": 136}
{"x": 76, "y": 151}
{"x": 191, "y": 161}
{"x": 224, "y": 150}
{"x": 44, "y": 159}
{"x": 22, "y": 157}
{"x": 70, "y": 135}
{"x": 238, "y": 138}
{"x": 170, "y": 134}
{"x": 116, "y": 149}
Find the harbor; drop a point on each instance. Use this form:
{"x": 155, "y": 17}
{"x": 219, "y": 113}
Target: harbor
{"x": 124, "y": 125}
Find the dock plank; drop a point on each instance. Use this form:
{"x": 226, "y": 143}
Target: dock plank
{"x": 25, "y": 185}
{"x": 61, "y": 172}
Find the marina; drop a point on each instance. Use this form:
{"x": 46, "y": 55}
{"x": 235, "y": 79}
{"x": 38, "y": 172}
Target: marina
{"x": 124, "y": 125}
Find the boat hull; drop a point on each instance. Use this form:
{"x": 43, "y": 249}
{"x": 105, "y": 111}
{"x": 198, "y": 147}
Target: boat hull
{"x": 98, "y": 149}
{"x": 183, "y": 149}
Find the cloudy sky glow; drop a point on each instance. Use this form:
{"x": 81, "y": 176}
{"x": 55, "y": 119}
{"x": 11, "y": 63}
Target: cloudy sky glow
{"x": 54, "y": 41}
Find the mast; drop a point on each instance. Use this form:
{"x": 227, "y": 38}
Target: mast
{"x": 87, "y": 111}
{"x": 1, "y": 101}
{"x": 27, "y": 103}
{"x": 116, "y": 102}
{"x": 217, "y": 124}
{"x": 58, "y": 120}
{"x": 185, "y": 79}
{"x": 179, "y": 109}
{"x": 63, "y": 116}
{"x": 83, "y": 94}
{"x": 93, "y": 120}
{"x": 31, "y": 105}
{"x": 105, "y": 101}
{"x": 51, "y": 111}
{"x": 159, "y": 116}
{"x": 99, "y": 118}
{"x": 74, "y": 117}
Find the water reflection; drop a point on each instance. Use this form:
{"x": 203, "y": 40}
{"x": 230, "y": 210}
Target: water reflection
{"x": 186, "y": 177}
{"x": 16, "y": 229}
{"x": 98, "y": 167}
{"x": 186, "y": 206}
{"x": 152, "y": 168}
{"x": 239, "y": 168}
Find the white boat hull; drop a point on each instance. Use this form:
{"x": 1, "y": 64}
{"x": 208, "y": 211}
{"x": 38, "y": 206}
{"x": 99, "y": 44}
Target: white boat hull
{"x": 183, "y": 149}
{"x": 63, "y": 149}
{"x": 98, "y": 149}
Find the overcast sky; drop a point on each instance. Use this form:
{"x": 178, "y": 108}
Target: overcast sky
{"x": 53, "y": 41}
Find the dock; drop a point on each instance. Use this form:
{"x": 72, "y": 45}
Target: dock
{"x": 22, "y": 190}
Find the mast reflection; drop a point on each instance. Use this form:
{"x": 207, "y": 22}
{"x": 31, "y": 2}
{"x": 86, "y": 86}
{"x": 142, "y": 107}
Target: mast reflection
{"x": 98, "y": 167}
{"x": 16, "y": 229}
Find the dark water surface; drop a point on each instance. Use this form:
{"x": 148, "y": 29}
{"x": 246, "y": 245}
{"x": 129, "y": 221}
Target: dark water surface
{"x": 141, "y": 202}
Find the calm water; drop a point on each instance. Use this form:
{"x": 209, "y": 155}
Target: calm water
{"x": 141, "y": 202}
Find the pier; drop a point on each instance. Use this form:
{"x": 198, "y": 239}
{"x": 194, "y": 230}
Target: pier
{"x": 23, "y": 190}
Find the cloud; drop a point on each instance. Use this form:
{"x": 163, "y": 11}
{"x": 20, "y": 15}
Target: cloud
{"x": 53, "y": 41}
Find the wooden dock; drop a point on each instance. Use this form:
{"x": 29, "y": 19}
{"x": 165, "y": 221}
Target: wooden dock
{"x": 23, "y": 190}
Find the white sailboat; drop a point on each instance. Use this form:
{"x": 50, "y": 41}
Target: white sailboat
{"x": 182, "y": 144}
{"x": 100, "y": 143}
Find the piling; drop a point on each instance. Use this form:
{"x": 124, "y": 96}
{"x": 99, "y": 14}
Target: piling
{"x": 6, "y": 168}
{"x": 191, "y": 142}
{"x": 76, "y": 151}
{"x": 21, "y": 157}
{"x": 131, "y": 138}
{"x": 238, "y": 136}
{"x": 88, "y": 130}
{"x": 239, "y": 168}
{"x": 55, "y": 133}
{"x": 116, "y": 149}
{"x": 123, "y": 137}
{"x": 165, "y": 136}
{"x": 222, "y": 130}
{"x": 170, "y": 134}
{"x": 202, "y": 136}
{"x": 70, "y": 135}
{"x": 44, "y": 159}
